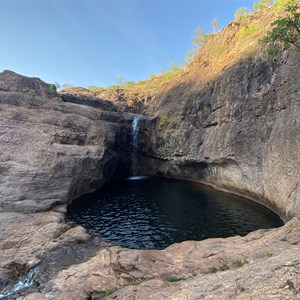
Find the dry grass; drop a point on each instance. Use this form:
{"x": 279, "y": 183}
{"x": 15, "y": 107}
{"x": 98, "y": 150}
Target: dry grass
{"x": 222, "y": 50}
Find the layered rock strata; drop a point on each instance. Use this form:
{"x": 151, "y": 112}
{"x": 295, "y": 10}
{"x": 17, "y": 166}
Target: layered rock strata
{"x": 51, "y": 151}
{"x": 239, "y": 132}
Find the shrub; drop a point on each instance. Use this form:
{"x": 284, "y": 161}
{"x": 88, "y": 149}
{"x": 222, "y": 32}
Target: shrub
{"x": 165, "y": 119}
{"x": 215, "y": 24}
{"x": 241, "y": 15}
{"x": 200, "y": 39}
{"x": 198, "y": 42}
{"x": 224, "y": 267}
{"x": 32, "y": 93}
{"x": 122, "y": 81}
{"x": 95, "y": 88}
{"x": 249, "y": 31}
{"x": 173, "y": 278}
{"x": 110, "y": 291}
{"x": 52, "y": 90}
{"x": 212, "y": 270}
{"x": 258, "y": 6}
{"x": 238, "y": 263}
{"x": 280, "y": 5}
{"x": 285, "y": 32}
{"x": 133, "y": 282}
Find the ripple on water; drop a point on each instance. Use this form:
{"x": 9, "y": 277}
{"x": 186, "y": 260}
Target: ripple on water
{"x": 152, "y": 213}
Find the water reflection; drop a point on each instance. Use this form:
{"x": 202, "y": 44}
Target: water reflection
{"x": 153, "y": 213}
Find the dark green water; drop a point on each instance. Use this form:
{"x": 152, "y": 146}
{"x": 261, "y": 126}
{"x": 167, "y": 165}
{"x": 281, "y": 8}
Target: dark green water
{"x": 152, "y": 213}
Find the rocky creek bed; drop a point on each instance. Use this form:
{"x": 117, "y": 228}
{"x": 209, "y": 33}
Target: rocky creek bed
{"x": 73, "y": 264}
{"x": 245, "y": 139}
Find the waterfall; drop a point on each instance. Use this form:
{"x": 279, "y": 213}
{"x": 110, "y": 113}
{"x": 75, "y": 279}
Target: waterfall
{"x": 135, "y": 142}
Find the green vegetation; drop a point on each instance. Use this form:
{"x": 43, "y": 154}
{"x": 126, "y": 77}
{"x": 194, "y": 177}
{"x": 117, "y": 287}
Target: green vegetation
{"x": 122, "y": 81}
{"x": 133, "y": 282}
{"x": 285, "y": 32}
{"x": 212, "y": 270}
{"x": 32, "y": 93}
{"x": 198, "y": 42}
{"x": 32, "y": 101}
{"x": 95, "y": 88}
{"x": 174, "y": 72}
{"x": 241, "y": 15}
{"x": 173, "y": 278}
{"x": 200, "y": 39}
{"x": 238, "y": 263}
{"x": 225, "y": 267}
{"x": 110, "y": 291}
{"x": 280, "y": 5}
{"x": 165, "y": 120}
{"x": 218, "y": 49}
{"x": 215, "y": 25}
{"x": 262, "y": 4}
{"x": 250, "y": 31}
{"x": 52, "y": 90}
{"x": 219, "y": 52}
{"x": 153, "y": 82}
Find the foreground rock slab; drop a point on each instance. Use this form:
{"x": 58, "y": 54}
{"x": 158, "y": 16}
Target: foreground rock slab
{"x": 72, "y": 264}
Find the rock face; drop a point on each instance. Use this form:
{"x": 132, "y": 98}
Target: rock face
{"x": 133, "y": 101}
{"x": 89, "y": 101}
{"x": 71, "y": 264}
{"x": 239, "y": 132}
{"x": 114, "y": 99}
{"x": 52, "y": 152}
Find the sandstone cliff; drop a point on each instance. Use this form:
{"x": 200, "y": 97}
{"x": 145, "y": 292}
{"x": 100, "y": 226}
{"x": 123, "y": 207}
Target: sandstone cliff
{"x": 119, "y": 98}
{"x": 237, "y": 129}
{"x": 230, "y": 120}
{"x": 240, "y": 132}
{"x": 52, "y": 151}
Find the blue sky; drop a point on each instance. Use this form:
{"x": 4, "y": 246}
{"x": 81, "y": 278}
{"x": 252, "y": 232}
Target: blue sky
{"x": 90, "y": 42}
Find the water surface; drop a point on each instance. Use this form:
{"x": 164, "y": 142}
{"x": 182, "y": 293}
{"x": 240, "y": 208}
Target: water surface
{"x": 152, "y": 213}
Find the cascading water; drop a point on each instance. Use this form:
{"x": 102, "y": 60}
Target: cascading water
{"x": 135, "y": 142}
{"x": 25, "y": 281}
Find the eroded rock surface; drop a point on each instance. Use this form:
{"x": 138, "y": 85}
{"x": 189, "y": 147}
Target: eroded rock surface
{"x": 52, "y": 151}
{"x": 262, "y": 265}
{"x": 239, "y": 131}
{"x": 113, "y": 99}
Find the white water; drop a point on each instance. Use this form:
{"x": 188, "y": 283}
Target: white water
{"x": 24, "y": 282}
{"x": 135, "y": 142}
{"x": 137, "y": 177}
